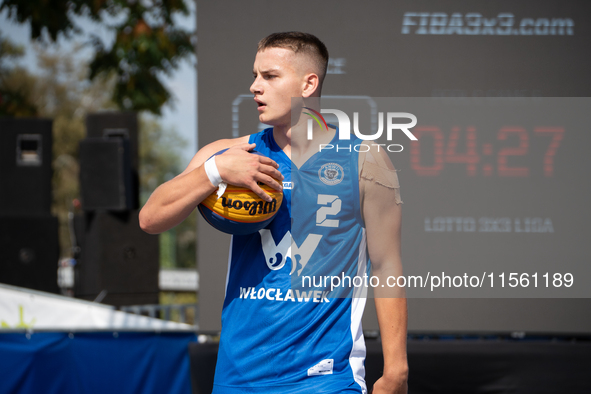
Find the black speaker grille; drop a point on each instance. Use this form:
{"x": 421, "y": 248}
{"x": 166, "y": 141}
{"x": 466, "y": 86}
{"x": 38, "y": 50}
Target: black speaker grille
{"x": 29, "y": 252}
{"x": 105, "y": 177}
{"x": 25, "y": 166}
{"x": 116, "y": 256}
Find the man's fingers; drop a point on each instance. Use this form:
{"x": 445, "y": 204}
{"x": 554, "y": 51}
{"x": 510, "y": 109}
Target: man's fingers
{"x": 246, "y": 146}
{"x": 272, "y": 172}
{"x": 262, "y": 159}
{"x": 267, "y": 180}
{"x": 246, "y": 170}
{"x": 268, "y": 161}
{"x": 270, "y": 168}
{"x": 260, "y": 192}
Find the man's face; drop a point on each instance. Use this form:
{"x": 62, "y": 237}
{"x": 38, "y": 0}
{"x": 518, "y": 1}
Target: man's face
{"x": 277, "y": 78}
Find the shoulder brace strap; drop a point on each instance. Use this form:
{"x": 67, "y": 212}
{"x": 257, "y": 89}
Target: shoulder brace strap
{"x": 381, "y": 175}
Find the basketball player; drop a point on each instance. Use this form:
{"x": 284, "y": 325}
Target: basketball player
{"x": 274, "y": 338}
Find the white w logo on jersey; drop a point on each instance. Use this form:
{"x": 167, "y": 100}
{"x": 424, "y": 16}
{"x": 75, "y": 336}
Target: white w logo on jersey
{"x": 276, "y": 254}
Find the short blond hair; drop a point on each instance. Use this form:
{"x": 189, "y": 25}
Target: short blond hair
{"x": 299, "y": 42}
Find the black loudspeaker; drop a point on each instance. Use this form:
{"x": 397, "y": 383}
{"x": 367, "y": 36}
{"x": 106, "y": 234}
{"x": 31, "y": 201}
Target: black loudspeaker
{"x": 105, "y": 175}
{"x": 117, "y": 257}
{"x": 104, "y": 124}
{"x": 25, "y": 166}
{"x": 123, "y": 125}
{"x": 29, "y": 251}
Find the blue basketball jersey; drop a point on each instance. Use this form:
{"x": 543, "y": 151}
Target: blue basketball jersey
{"x": 282, "y": 330}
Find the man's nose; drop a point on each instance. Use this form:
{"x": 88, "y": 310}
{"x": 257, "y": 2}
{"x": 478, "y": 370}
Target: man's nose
{"x": 255, "y": 88}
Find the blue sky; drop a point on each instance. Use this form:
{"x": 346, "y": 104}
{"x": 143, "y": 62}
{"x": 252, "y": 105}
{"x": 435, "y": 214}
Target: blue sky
{"x": 182, "y": 116}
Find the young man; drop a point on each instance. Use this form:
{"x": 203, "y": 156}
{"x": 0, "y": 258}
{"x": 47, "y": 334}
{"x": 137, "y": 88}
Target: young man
{"x": 274, "y": 340}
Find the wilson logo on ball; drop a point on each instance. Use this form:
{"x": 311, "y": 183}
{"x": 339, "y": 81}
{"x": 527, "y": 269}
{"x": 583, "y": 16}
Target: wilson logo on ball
{"x": 252, "y": 207}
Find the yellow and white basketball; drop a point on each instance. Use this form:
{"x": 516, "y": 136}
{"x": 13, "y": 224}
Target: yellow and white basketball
{"x": 239, "y": 210}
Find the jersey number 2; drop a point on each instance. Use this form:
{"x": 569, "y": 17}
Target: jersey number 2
{"x": 331, "y": 205}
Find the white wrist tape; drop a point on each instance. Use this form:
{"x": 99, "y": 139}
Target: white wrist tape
{"x": 214, "y": 175}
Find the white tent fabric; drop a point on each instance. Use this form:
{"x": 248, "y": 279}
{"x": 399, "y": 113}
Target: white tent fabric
{"x": 29, "y": 309}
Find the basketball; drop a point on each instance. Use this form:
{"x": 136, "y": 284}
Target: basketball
{"x": 239, "y": 210}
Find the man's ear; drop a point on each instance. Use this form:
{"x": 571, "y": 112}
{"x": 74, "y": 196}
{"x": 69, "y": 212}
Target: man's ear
{"x": 311, "y": 86}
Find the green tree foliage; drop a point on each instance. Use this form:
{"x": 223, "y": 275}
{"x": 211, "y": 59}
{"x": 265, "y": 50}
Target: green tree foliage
{"x": 147, "y": 42}
{"x": 14, "y": 85}
{"x": 159, "y": 162}
{"x": 158, "y": 150}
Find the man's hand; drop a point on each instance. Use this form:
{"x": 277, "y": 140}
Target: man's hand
{"x": 175, "y": 199}
{"x": 238, "y": 167}
{"x": 391, "y": 384}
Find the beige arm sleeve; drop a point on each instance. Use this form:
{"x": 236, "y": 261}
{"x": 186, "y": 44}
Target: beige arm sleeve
{"x": 377, "y": 170}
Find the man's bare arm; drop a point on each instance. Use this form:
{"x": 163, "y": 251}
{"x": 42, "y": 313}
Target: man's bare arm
{"x": 174, "y": 200}
{"x": 382, "y": 215}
